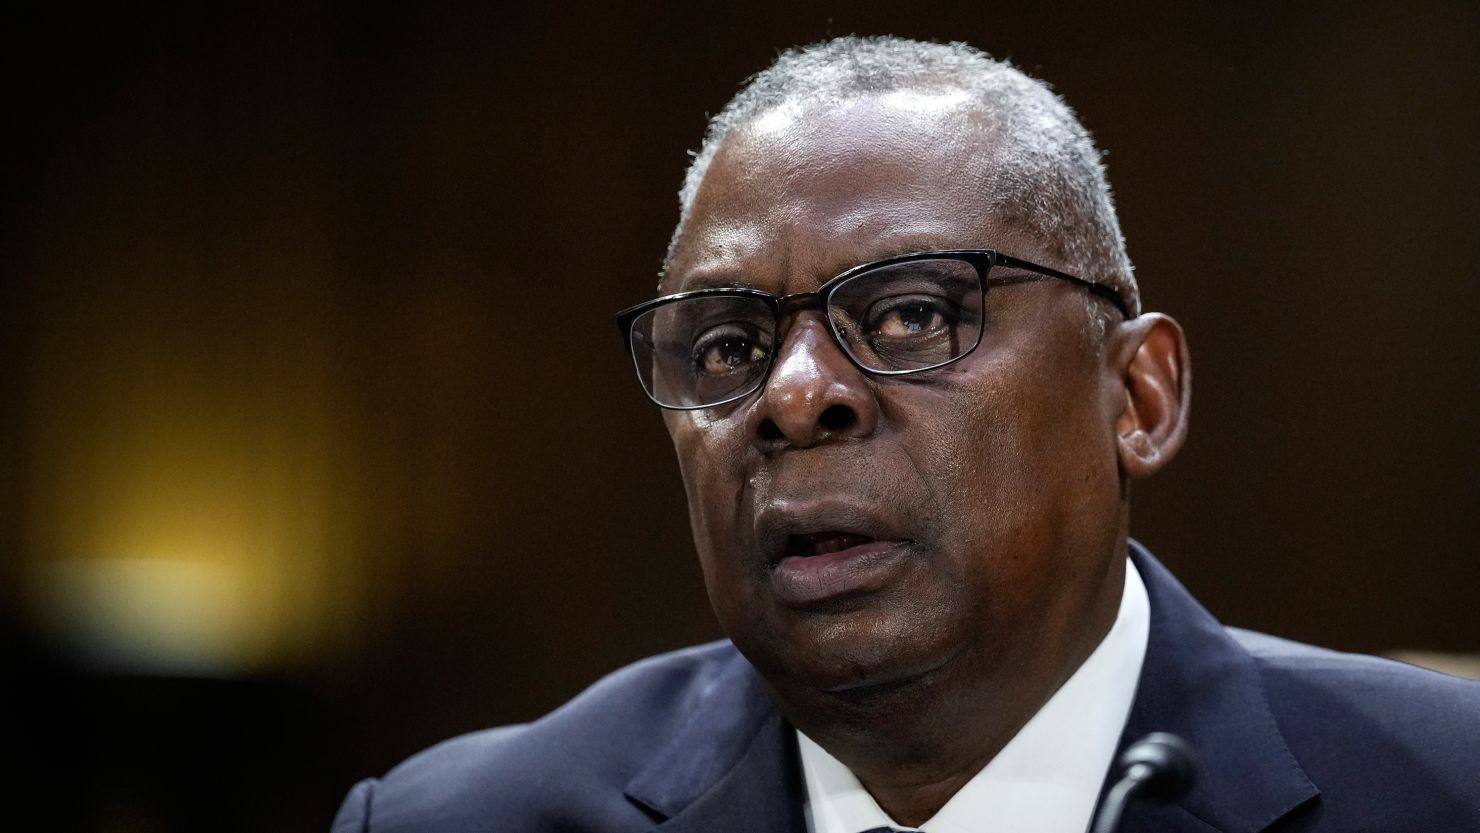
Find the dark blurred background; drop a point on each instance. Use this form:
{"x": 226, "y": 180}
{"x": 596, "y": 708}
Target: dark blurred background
{"x": 319, "y": 446}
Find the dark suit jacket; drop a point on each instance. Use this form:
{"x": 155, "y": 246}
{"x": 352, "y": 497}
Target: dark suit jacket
{"x": 1289, "y": 738}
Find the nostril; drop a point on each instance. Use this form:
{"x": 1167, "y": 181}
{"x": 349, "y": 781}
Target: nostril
{"x": 837, "y": 418}
{"x": 770, "y": 431}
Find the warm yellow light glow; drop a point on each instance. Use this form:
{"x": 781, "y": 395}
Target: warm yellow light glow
{"x": 159, "y": 615}
{"x": 202, "y": 553}
{"x": 196, "y": 491}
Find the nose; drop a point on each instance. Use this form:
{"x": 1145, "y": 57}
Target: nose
{"x": 814, "y": 394}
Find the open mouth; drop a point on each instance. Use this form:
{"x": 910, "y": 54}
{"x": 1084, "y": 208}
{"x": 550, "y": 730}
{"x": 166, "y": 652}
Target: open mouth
{"x": 822, "y": 543}
{"x": 823, "y": 567}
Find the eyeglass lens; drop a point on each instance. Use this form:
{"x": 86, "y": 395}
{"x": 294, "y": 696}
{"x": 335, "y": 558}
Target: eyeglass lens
{"x": 900, "y": 318}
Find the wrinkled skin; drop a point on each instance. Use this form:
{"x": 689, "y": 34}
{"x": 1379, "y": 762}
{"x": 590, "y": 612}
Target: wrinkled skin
{"x": 996, "y": 483}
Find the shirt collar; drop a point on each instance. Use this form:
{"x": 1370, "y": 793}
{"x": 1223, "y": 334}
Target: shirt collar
{"x": 1046, "y": 779}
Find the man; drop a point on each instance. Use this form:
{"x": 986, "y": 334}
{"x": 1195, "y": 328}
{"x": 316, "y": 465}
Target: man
{"x": 903, "y": 362}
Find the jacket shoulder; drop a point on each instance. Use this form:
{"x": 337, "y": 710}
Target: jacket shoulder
{"x": 1380, "y": 688}
{"x": 1367, "y": 729}
{"x": 565, "y": 770}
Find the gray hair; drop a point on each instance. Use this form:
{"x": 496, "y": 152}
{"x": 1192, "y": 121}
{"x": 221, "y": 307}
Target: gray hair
{"x": 1048, "y": 173}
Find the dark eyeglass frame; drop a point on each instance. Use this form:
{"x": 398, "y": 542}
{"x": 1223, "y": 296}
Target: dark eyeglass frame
{"x": 983, "y": 260}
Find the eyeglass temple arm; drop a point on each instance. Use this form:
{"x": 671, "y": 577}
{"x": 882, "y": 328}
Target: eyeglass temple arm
{"x": 1106, "y": 292}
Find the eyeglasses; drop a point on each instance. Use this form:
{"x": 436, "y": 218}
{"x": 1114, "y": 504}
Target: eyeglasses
{"x": 893, "y": 317}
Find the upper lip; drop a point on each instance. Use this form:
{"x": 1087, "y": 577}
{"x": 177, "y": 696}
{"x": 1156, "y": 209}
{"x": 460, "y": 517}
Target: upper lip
{"x": 779, "y": 520}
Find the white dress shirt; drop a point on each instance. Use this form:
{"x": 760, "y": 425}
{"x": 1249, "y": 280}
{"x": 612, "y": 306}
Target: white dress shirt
{"x": 1046, "y": 779}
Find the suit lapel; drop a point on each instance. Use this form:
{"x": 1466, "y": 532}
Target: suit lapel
{"x": 1199, "y": 683}
{"x": 733, "y": 767}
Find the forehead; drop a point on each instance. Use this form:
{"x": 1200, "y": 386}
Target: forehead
{"x": 804, "y": 191}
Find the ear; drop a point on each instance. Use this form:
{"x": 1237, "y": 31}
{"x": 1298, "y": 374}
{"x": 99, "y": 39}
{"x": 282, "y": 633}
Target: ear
{"x": 1155, "y": 371}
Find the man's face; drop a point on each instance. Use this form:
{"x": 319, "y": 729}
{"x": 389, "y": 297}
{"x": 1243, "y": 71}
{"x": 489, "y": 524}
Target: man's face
{"x": 857, "y": 530}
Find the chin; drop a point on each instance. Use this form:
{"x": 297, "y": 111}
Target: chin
{"x": 886, "y": 677}
{"x": 852, "y": 660}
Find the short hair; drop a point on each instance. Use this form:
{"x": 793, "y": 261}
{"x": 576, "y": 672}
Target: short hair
{"x": 1049, "y": 174}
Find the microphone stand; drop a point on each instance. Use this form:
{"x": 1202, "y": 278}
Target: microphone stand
{"x": 1158, "y": 767}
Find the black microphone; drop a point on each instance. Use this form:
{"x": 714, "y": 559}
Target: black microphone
{"x": 1158, "y": 767}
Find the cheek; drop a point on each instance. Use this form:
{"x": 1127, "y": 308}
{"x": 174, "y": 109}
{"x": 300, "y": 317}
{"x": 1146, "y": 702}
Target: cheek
{"x": 714, "y": 482}
{"x": 1012, "y": 472}
{"x": 981, "y": 451}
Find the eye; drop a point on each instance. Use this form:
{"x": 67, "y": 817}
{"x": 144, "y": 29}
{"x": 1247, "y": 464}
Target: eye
{"x": 728, "y": 349}
{"x": 909, "y": 316}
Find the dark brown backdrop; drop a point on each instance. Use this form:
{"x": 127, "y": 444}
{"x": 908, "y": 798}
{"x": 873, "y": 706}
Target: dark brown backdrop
{"x": 319, "y": 298}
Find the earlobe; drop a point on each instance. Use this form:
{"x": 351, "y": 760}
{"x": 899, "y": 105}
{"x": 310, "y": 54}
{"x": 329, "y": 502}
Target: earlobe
{"x": 1156, "y": 375}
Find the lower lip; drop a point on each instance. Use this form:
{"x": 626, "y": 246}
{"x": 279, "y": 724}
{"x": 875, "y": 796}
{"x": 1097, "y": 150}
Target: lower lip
{"x": 803, "y": 580}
